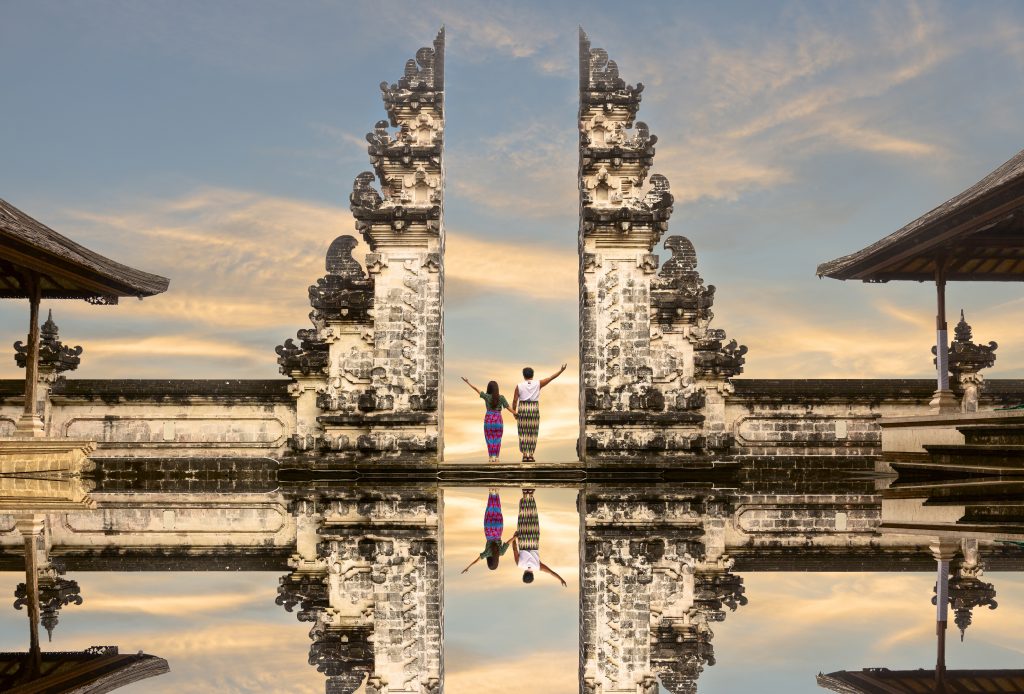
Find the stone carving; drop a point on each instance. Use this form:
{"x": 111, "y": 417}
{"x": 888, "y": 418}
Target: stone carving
{"x": 368, "y": 374}
{"x": 966, "y": 360}
{"x": 966, "y": 592}
{"x": 54, "y": 356}
{"x": 55, "y": 592}
{"x": 654, "y": 374}
{"x": 309, "y": 357}
{"x": 713, "y": 357}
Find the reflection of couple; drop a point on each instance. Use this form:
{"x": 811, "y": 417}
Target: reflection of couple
{"x": 525, "y": 541}
{"x": 525, "y": 408}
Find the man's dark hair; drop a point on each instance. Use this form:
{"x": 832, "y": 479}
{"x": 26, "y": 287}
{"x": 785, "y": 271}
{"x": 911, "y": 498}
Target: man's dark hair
{"x": 527, "y": 577}
{"x": 527, "y": 373}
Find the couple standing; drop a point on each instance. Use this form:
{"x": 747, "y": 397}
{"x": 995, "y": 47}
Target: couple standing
{"x": 525, "y": 541}
{"x": 525, "y": 408}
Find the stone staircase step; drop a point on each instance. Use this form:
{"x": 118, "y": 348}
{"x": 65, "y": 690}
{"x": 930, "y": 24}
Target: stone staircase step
{"x": 1011, "y": 456}
{"x": 993, "y": 434}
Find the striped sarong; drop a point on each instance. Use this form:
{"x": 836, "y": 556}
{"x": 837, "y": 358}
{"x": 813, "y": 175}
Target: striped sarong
{"x": 494, "y": 523}
{"x": 494, "y": 427}
{"x": 528, "y": 525}
{"x": 528, "y": 426}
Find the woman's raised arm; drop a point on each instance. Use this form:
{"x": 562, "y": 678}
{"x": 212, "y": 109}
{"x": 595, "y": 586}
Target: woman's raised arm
{"x": 478, "y": 391}
{"x": 471, "y": 565}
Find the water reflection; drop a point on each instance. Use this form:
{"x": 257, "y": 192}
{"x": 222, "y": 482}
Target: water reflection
{"x": 662, "y": 566}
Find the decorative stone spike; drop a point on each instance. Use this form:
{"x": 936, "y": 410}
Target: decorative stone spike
{"x": 54, "y": 355}
{"x": 966, "y": 360}
{"x": 654, "y": 374}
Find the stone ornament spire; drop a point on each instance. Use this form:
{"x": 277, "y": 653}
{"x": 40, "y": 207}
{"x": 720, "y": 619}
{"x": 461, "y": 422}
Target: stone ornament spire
{"x": 368, "y": 374}
{"x": 654, "y": 375}
{"x": 54, "y": 356}
{"x": 966, "y": 360}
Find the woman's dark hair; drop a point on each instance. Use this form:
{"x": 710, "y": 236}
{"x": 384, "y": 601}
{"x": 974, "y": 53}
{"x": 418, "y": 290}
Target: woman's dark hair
{"x": 528, "y": 373}
{"x": 495, "y": 547}
{"x": 493, "y": 396}
{"x": 527, "y": 577}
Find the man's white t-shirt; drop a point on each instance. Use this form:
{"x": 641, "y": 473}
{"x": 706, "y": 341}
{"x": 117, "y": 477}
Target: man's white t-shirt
{"x": 529, "y": 559}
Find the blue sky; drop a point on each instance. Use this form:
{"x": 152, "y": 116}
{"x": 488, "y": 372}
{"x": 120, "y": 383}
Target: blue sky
{"x": 215, "y": 143}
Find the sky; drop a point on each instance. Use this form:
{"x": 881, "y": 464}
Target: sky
{"x": 215, "y": 144}
{"x": 221, "y": 631}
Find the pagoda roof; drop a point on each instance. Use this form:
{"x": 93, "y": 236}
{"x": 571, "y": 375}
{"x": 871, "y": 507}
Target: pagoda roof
{"x": 66, "y": 270}
{"x": 976, "y": 235}
{"x": 885, "y": 681}
{"x": 95, "y": 670}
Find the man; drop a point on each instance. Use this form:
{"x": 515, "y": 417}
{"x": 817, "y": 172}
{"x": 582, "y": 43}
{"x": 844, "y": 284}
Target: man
{"x": 526, "y": 540}
{"x": 526, "y": 408}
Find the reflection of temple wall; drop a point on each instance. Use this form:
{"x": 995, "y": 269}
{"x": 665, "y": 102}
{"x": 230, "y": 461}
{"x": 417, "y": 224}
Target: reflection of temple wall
{"x": 149, "y": 525}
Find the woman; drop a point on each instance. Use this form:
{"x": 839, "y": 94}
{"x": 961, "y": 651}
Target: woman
{"x": 494, "y": 525}
{"x": 494, "y": 427}
{"x": 526, "y": 540}
{"x": 526, "y": 408}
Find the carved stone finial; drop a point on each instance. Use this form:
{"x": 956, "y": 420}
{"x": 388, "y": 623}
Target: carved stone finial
{"x": 965, "y": 594}
{"x": 55, "y": 593}
{"x": 966, "y": 357}
{"x": 54, "y": 355}
{"x": 962, "y": 332}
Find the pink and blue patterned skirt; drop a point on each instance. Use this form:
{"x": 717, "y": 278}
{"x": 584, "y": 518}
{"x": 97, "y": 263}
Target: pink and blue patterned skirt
{"x": 494, "y": 427}
{"x": 494, "y": 523}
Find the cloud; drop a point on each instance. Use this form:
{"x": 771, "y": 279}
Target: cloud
{"x": 543, "y": 673}
{"x": 539, "y": 272}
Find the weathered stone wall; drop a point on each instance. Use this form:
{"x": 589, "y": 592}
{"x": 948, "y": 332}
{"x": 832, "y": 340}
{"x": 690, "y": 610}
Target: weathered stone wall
{"x": 157, "y": 418}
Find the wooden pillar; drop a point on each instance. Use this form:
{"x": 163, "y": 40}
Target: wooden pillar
{"x": 943, "y": 551}
{"x": 30, "y": 424}
{"x": 32, "y": 527}
{"x": 941, "y": 621}
{"x": 943, "y": 400}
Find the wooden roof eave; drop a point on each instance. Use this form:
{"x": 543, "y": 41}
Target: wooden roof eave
{"x": 928, "y": 239}
{"x": 73, "y": 270}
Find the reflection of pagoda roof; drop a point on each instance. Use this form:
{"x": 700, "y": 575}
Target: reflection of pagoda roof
{"x": 95, "y": 670}
{"x": 885, "y": 681}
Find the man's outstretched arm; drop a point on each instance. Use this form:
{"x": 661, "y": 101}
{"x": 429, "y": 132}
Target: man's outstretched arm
{"x": 549, "y": 379}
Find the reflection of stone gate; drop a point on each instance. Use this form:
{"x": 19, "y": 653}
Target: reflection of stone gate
{"x": 366, "y": 575}
{"x": 654, "y": 577}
